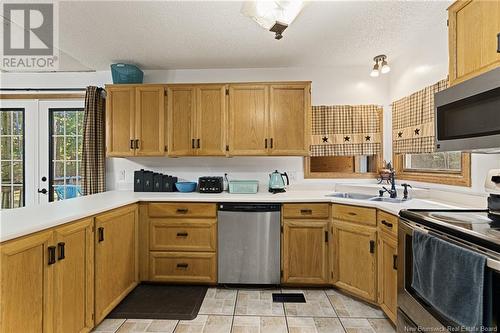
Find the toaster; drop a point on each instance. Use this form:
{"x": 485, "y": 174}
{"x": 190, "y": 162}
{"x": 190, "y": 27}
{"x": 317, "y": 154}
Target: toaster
{"x": 210, "y": 184}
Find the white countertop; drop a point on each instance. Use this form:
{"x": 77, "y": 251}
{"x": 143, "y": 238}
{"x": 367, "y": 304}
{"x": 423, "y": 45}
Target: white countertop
{"x": 23, "y": 221}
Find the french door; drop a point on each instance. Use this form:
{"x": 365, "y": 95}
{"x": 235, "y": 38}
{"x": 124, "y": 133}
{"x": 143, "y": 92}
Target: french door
{"x": 40, "y": 153}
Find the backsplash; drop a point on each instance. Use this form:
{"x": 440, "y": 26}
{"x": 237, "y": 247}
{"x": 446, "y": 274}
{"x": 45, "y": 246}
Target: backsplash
{"x": 120, "y": 171}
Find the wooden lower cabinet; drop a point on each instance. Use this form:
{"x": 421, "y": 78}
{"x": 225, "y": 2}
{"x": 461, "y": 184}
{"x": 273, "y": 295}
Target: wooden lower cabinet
{"x": 354, "y": 259}
{"x": 116, "y": 258}
{"x": 27, "y": 285}
{"x": 305, "y": 252}
{"x": 183, "y": 267}
{"x": 74, "y": 278}
{"x": 387, "y": 274}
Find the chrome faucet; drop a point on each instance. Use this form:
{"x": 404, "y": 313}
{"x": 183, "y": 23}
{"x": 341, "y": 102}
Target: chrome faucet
{"x": 393, "y": 193}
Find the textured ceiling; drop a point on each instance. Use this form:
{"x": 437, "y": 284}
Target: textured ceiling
{"x": 181, "y": 34}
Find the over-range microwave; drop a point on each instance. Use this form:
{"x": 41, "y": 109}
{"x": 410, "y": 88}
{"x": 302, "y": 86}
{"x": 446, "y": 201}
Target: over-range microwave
{"x": 468, "y": 115}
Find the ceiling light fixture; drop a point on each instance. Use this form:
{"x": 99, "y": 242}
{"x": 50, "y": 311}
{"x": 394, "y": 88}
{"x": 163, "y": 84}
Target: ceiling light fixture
{"x": 383, "y": 68}
{"x": 274, "y": 16}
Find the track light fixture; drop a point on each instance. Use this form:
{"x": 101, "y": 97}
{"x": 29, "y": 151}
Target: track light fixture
{"x": 382, "y": 68}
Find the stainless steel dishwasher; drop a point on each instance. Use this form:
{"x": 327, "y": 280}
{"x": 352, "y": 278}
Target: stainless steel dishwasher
{"x": 249, "y": 243}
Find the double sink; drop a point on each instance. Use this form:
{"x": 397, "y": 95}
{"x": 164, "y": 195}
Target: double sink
{"x": 361, "y": 196}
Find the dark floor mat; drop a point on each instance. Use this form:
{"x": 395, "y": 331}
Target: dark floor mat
{"x": 289, "y": 298}
{"x": 158, "y": 301}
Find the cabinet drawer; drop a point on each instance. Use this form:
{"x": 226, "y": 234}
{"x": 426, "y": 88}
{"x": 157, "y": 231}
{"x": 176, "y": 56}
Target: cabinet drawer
{"x": 306, "y": 211}
{"x": 387, "y": 222}
{"x": 181, "y": 209}
{"x": 182, "y": 235}
{"x": 356, "y": 214}
{"x": 183, "y": 267}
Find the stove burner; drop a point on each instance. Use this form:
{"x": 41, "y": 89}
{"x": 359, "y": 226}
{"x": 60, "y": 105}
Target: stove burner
{"x": 460, "y": 218}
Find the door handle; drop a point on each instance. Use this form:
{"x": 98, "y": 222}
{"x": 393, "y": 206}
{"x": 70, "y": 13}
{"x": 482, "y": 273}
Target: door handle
{"x": 372, "y": 246}
{"x": 182, "y": 234}
{"x": 265, "y": 143}
{"x": 387, "y": 224}
{"x": 271, "y": 141}
{"x": 306, "y": 211}
{"x": 192, "y": 144}
{"x": 395, "y": 261}
{"x": 136, "y": 143}
{"x": 131, "y": 144}
{"x": 60, "y": 248}
{"x": 198, "y": 143}
{"x": 182, "y": 265}
{"x": 326, "y": 236}
{"x": 52, "y": 255}
{"x": 43, "y": 191}
{"x": 100, "y": 234}
{"x": 182, "y": 210}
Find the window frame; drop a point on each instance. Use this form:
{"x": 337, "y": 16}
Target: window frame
{"x": 11, "y": 184}
{"x": 455, "y": 178}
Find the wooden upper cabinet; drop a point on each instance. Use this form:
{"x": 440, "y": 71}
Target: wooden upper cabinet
{"x": 181, "y": 120}
{"x": 354, "y": 259}
{"x": 248, "y": 119}
{"x": 120, "y": 120}
{"x": 150, "y": 120}
{"x": 74, "y": 277}
{"x": 473, "y": 43}
{"x": 211, "y": 120}
{"x": 305, "y": 251}
{"x": 289, "y": 119}
{"x": 116, "y": 258}
{"x": 26, "y": 283}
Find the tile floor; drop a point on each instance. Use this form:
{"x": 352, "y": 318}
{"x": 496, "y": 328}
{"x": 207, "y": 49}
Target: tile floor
{"x": 253, "y": 311}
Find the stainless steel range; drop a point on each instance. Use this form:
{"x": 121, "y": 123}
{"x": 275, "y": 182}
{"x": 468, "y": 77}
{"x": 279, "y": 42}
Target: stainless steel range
{"x": 473, "y": 230}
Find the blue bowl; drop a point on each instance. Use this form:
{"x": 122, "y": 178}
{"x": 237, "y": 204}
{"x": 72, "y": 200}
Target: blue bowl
{"x": 186, "y": 186}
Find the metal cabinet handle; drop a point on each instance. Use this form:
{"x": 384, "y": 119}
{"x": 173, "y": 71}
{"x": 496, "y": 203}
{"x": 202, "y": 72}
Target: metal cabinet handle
{"x": 352, "y": 213}
{"x": 51, "y": 255}
{"x": 182, "y": 265}
{"x": 265, "y": 143}
{"x": 182, "y": 210}
{"x": 372, "y": 246}
{"x": 384, "y": 222}
{"x": 395, "y": 262}
{"x": 326, "y": 236}
{"x": 198, "y": 143}
{"x": 137, "y": 143}
{"x": 131, "y": 144}
{"x": 61, "y": 253}
{"x": 271, "y": 143}
{"x": 192, "y": 144}
{"x": 306, "y": 211}
{"x": 182, "y": 234}
{"x": 100, "y": 234}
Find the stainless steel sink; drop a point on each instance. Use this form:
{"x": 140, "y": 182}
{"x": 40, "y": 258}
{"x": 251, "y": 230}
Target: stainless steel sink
{"x": 391, "y": 200}
{"x": 348, "y": 195}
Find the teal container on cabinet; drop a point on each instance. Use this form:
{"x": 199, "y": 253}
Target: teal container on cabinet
{"x": 126, "y": 73}
{"x": 243, "y": 186}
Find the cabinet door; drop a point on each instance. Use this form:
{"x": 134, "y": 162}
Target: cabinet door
{"x": 387, "y": 274}
{"x": 74, "y": 277}
{"x": 150, "y": 120}
{"x": 354, "y": 259}
{"x": 181, "y": 120}
{"x": 248, "y": 119}
{"x": 26, "y": 285}
{"x": 211, "y": 120}
{"x": 474, "y": 26}
{"x": 120, "y": 120}
{"x": 305, "y": 244}
{"x": 289, "y": 115}
{"x": 116, "y": 271}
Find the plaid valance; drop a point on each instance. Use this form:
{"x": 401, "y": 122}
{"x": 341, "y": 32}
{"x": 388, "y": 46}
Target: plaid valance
{"x": 413, "y": 121}
{"x": 346, "y": 130}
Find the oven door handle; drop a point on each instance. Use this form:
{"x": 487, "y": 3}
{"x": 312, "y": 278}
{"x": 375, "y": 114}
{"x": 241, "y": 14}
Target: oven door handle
{"x": 490, "y": 262}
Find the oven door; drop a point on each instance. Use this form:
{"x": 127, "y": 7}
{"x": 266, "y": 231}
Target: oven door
{"x": 416, "y": 309}
{"x": 467, "y": 114}
{"x": 409, "y": 303}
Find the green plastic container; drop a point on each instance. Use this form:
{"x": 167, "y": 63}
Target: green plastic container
{"x": 243, "y": 186}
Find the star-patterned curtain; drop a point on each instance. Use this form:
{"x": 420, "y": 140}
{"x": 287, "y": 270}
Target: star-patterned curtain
{"x": 413, "y": 121}
{"x": 346, "y": 130}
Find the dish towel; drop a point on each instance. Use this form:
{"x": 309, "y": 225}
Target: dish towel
{"x": 452, "y": 279}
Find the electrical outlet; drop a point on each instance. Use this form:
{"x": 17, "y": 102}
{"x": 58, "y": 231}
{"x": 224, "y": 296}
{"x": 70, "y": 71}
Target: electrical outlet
{"x": 121, "y": 176}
